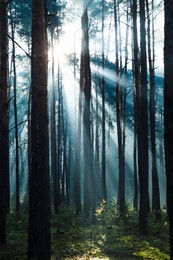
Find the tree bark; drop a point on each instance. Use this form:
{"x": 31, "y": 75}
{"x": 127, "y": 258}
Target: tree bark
{"x": 136, "y": 97}
{"x": 39, "y": 186}
{"x": 104, "y": 193}
{"x": 15, "y": 114}
{"x": 121, "y": 185}
{"x": 143, "y": 127}
{"x": 77, "y": 167}
{"x": 4, "y": 119}
{"x": 53, "y": 131}
{"x": 86, "y": 88}
{"x": 168, "y": 112}
{"x": 155, "y": 179}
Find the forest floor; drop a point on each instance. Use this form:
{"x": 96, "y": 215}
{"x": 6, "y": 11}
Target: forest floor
{"x": 110, "y": 238}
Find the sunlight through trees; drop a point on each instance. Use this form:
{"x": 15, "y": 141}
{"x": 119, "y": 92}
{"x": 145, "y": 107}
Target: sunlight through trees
{"x": 85, "y": 123}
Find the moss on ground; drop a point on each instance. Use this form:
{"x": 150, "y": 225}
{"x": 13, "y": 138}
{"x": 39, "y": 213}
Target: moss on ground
{"x": 110, "y": 238}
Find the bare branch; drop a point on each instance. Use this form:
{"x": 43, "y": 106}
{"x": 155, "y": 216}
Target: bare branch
{"x": 20, "y": 123}
{"x": 19, "y": 46}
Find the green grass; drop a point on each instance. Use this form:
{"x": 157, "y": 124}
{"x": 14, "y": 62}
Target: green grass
{"x": 110, "y": 238}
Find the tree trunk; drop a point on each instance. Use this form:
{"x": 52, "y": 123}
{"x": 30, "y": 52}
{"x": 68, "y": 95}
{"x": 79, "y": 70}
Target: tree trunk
{"x": 155, "y": 180}
{"x": 68, "y": 172}
{"x": 97, "y": 152}
{"x": 168, "y": 112}
{"x": 39, "y": 186}
{"x": 136, "y": 97}
{"x": 77, "y": 167}
{"x": 86, "y": 87}
{"x": 64, "y": 166}
{"x": 121, "y": 185}
{"x": 4, "y": 119}
{"x": 104, "y": 193}
{"x": 53, "y": 132}
{"x": 15, "y": 114}
{"x": 57, "y": 188}
{"x": 143, "y": 127}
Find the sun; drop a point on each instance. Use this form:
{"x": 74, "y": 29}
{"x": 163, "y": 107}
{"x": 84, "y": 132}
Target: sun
{"x": 69, "y": 42}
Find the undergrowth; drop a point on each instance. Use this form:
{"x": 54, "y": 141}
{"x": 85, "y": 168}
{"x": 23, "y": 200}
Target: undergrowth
{"x": 111, "y": 237}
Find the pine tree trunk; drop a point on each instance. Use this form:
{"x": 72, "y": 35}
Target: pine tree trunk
{"x": 4, "y": 119}
{"x": 64, "y": 171}
{"x": 136, "y": 98}
{"x": 121, "y": 185}
{"x": 104, "y": 193}
{"x": 57, "y": 183}
{"x": 68, "y": 172}
{"x": 53, "y": 132}
{"x": 77, "y": 167}
{"x": 39, "y": 186}
{"x": 97, "y": 154}
{"x": 143, "y": 127}
{"x": 86, "y": 87}
{"x": 168, "y": 113}
{"x": 15, "y": 116}
{"x": 155, "y": 180}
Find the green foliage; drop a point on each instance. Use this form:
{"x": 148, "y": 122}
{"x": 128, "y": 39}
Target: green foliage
{"x": 122, "y": 235}
{"x": 21, "y": 16}
{"x": 16, "y": 237}
{"x": 112, "y": 237}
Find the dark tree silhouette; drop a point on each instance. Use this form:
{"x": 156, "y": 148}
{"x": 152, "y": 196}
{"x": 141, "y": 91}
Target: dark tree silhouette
{"x": 85, "y": 81}
{"x": 135, "y": 66}
{"x": 143, "y": 126}
{"x": 4, "y": 138}
{"x": 168, "y": 112}
{"x": 39, "y": 186}
{"x": 118, "y": 69}
{"x": 151, "y": 61}
{"x": 15, "y": 111}
{"x": 104, "y": 193}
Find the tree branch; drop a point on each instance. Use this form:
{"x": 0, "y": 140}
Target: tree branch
{"x": 19, "y": 46}
{"x": 20, "y": 123}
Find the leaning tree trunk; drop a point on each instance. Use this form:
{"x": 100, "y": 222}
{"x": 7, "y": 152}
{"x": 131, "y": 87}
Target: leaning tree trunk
{"x": 4, "y": 138}
{"x": 168, "y": 112}
{"x": 39, "y": 186}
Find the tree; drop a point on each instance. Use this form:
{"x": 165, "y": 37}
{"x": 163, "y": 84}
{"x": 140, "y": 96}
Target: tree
{"x": 151, "y": 61}
{"x": 135, "y": 91}
{"x": 59, "y": 163}
{"x": 118, "y": 71}
{"x": 53, "y": 129}
{"x": 103, "y": 188}
{"x": 39, "y": 186}
{"x": 77, "y": 165}
{"x": 15, "y": 110}
{"x": 85, "y": 81}
{"x": 4, "y": 138}
{"x": 168, "y": 112}
{"x": 142, "y": 124}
